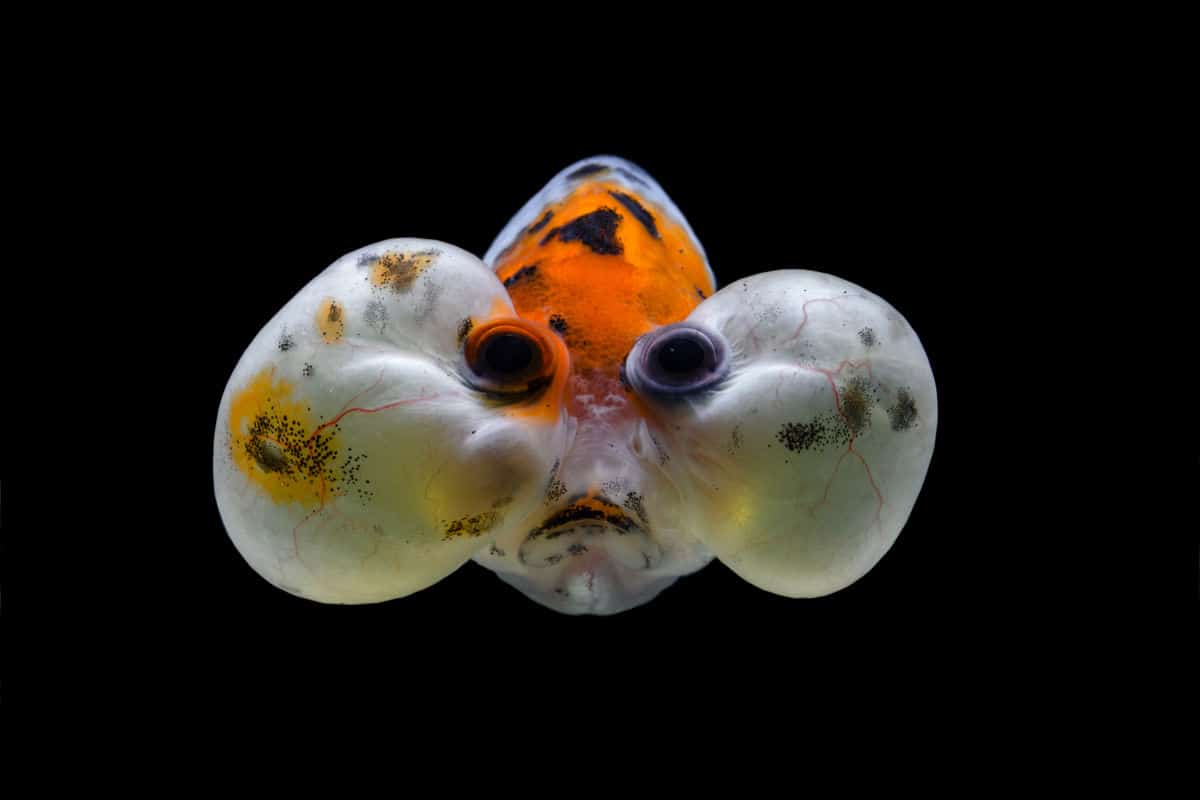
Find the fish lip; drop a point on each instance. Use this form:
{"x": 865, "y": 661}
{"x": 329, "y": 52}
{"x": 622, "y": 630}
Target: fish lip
{"x": 575, "y": 514}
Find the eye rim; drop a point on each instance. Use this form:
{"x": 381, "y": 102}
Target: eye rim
{"x": 640, "y": 368}
{"x": 538, "y": 374}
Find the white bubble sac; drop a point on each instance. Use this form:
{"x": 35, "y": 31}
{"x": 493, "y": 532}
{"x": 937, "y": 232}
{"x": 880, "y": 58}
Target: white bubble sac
{"x": 352, "y": 462}
{"x": 802, "y": 467}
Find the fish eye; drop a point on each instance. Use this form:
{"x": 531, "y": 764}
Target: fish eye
{"x": 509, "y": 356}
{"x": 677, "y": 359}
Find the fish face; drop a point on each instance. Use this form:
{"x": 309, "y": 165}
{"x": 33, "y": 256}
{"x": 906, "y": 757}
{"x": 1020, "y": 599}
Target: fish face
{"x": 581, "y": 412}
{"x": 608, "y": 535}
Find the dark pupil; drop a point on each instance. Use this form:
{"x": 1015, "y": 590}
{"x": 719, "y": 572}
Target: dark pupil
{"x": 508, "y": 353}
{"x": 681, "y": 355}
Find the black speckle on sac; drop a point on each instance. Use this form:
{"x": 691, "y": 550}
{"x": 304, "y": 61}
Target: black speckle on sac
{"x": 464, "y": 330}
{"x": 639, "y": 212}
{"x": 496, "y": 551}
{"x": 858, "y": 398}
{"x": 472, "y": 525}
{"x": 797, "y": 436}
{"x": 585, "y": 170}
{"x": 867, "y": 337}
{"x": 286, "y": 342}
{"x": 597, "y": 231}
{"x": 541, "y": 223}
{"x": 524, "y": 273}
{"x": 554, "y": 487}
{"x": 376, "y": 315}
{"x": 633, "y": 501}
{"x": 735, "y": 439}
{"x": 307, "y": 371}
{"x": 558, "y": 322}
{"x": 903, "y": 415}
{"x": 577, "y": 549}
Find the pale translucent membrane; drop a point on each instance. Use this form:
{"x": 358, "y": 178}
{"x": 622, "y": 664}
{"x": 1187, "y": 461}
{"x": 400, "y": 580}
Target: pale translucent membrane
{"x": 802, "y": 468}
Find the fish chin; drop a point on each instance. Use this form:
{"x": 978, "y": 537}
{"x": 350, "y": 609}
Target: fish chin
{"x": 603, "y": 579}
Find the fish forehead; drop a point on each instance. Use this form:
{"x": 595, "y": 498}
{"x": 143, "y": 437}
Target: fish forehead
{"x": 601, "y": 256}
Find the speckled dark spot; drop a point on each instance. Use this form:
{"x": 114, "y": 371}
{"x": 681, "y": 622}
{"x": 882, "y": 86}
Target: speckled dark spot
{"x": 797, "y": 436}
{"x": 858, "y": 398}
{"x": 464, "y": 330}
{"x": 398, "y": 271}
{"x": 663, "y": 456}
{"x": 473, "y": 525}
{"x": 554, "y": 487}
{"x": 867, "y": 337}
{"x": 376, "y": 315}
{"x": 554, "y": 558}
{"x": 577, "y": 549}
{"x": 633, "y": 501}
{"x": 735, "y": 439}
{"x": 903, "y": 415}
{"x": 639, "y": 212}
{"x": 281, "y": 445}
{"x": 335, "y": 313}
{"x": 558, "y": 322}
{"x": 307, "y": 371}
{"x": 496, "y": 551}
{"x": 597, "y": 231}
{"x": 286, "y": 342}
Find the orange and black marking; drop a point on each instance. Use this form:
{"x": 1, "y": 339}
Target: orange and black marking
{"x": 601, "y": 267}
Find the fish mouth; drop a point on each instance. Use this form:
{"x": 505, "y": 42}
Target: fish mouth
{"x": 591, "y": 527}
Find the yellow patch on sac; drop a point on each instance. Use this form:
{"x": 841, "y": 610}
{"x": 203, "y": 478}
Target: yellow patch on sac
{"x": 398, "y": 271}
{"x": 276, "y": 444}
{"x": 331, "y": 320}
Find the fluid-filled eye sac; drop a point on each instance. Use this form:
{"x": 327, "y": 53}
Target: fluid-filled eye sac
{"x": 510, "y": 356}
{"x": 677, "y": 359}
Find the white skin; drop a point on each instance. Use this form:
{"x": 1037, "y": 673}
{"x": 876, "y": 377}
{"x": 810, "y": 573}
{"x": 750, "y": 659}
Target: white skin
{"x": 798, "y": 470}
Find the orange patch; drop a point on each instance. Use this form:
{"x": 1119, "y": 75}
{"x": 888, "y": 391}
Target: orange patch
{"x": 331, "y": 320}
{"x": 605, "y": 301}
{"x": 398, "y": 271}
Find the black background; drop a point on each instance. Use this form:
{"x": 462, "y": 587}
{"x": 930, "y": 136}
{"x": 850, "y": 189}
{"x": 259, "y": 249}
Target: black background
{"x": 239, "y": 202}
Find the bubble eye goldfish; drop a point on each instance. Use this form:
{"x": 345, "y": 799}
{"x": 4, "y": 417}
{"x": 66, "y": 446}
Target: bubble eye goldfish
{"x": 581, "y": 412}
